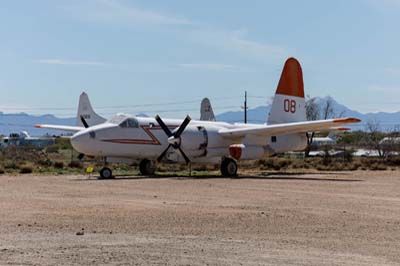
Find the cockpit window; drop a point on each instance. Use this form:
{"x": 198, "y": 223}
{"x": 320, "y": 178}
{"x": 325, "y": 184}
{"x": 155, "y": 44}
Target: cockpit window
{"x": 129, "y": 123}
{"x": 117, "y": 119}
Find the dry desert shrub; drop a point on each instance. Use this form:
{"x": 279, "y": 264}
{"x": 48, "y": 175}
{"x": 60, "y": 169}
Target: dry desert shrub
{"x": 26, "y": 170}
{"x": 58, "y": 165}
{"x": 75, "y": 164}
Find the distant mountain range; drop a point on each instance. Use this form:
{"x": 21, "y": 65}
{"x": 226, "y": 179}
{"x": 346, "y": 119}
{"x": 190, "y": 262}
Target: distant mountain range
{"x": 259, "y": 114}
{"x": 14, "y": 123}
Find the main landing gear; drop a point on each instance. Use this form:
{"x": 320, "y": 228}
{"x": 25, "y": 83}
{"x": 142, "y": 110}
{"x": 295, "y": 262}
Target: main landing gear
{"x": 228, "y": 167}
{"x": 147, "y": 167}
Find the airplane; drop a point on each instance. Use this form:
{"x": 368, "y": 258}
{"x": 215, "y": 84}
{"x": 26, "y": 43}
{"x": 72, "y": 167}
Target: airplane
{"x": 149, "y": 140}
{"x": 330, "y": 139}
{"x": 206, "y": 111}
{"x": 24, "y": 139}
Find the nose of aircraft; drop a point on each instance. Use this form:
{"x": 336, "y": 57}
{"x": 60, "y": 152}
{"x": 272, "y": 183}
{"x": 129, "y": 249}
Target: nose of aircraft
{"x": 80, "y": 141}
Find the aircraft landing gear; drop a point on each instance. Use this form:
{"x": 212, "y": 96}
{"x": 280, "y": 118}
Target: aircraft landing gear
{"x": 228, "y": 167}
{"x": 147, "y": 167}
{"x": 106, "y": 173}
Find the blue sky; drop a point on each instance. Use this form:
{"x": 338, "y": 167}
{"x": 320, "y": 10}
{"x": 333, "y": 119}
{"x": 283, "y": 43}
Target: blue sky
{"x": 164, "y": 56}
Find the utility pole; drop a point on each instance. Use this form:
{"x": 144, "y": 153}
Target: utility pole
{"x": 245, "y": 107}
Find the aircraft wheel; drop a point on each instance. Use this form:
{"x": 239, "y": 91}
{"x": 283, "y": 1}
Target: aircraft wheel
{"x": 228, "y": 167}
{"x": 147, "y": 167}
{"x": 106, "y": 173}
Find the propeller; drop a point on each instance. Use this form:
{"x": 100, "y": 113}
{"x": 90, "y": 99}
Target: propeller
{"x": 85, "y": 124}
{"x": 174, "y": 138}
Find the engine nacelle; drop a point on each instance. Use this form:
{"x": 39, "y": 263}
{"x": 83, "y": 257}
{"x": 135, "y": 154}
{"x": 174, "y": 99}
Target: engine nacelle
{"x": 194, "y": 141}
{"x": 285, "y": 143}
{"x": 243, "y": 152}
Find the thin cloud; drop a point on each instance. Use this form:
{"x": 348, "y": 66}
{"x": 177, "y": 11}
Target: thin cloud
{"x": 386, "y": 3}
{"x": 392, "y": 71}
{"x": 113, "y": 11}
{"x": 385, "y": 89}
{"x": 70, "y": 62}
{"x": 232, "y": 41}
{"x": 237, "y": 42}
{"x": 209, "y": 66}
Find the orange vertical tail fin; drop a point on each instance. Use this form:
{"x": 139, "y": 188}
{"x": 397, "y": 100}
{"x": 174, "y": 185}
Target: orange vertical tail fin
{"x": 291, "y": 81}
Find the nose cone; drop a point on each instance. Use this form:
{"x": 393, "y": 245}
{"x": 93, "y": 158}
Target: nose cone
{"x": 83, "y": 142}
{"x": 78, "y": 140}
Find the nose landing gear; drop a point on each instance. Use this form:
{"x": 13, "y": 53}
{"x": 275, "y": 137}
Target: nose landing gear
{"x": 106, "y": 173}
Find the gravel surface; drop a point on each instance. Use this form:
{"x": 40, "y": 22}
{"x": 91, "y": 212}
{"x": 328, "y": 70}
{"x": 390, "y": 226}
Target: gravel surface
{"x": 277, "y": 219}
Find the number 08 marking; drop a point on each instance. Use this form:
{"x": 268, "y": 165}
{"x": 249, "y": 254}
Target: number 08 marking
{"x": 289, "y": 106}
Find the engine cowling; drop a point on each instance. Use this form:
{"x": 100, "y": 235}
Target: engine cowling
{"x": 241, "y": 151}
{"x": 291, "y": 142}
{"x": 194, "y": 141}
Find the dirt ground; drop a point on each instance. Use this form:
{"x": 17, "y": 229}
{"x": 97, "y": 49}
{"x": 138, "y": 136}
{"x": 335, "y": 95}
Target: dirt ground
{"x": 277, "y": 219}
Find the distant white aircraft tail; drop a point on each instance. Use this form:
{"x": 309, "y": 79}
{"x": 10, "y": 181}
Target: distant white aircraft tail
{"x": 289, "y": 104}
{"x": 206, "y": 111}
{"x": 85, "y": 110}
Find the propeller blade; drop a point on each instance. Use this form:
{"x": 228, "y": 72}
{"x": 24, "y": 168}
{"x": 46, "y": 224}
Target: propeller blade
{"x": 163, "y": 126}
{"x": 187, "y": 160}
{"x": 163, "y": 154}
{"x": 85, "y": 124}
{"x": 182, "y": 127}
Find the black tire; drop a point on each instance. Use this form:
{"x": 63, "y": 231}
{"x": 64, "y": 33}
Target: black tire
{"x": 106, "y": 173}
{"x": 147, "y": 167}
{"x": 228, "y": 167}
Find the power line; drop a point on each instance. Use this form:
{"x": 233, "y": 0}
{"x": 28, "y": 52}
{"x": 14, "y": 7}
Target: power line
{"x": 119, "y": 106}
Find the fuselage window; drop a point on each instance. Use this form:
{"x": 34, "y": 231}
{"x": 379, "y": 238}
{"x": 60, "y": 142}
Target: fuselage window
{"x": 130, "y": 123}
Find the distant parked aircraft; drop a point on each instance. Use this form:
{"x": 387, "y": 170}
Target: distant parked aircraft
{"x": 206, "y": 111}
{"x": 23, "y": 139}
{"x": 331, "y": 139}
{"x": 150, "y": 139}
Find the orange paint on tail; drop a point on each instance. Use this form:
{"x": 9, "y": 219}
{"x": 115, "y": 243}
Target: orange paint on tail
{"x": 291, "y": 81}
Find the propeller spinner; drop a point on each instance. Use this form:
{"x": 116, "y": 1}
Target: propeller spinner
{"x": 174, "y": 138}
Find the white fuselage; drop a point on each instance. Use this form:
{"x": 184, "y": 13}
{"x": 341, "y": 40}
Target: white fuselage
{"x": 201, "y": 141}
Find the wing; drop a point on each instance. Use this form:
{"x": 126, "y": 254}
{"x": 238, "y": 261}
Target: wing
{"x": 288, "y": 128}
{"x": 60, "y": 127}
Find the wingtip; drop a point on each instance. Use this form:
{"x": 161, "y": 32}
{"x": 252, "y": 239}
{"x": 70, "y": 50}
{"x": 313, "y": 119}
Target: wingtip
{"x": 38, "y": 126}
{"x": 347, "y": 120}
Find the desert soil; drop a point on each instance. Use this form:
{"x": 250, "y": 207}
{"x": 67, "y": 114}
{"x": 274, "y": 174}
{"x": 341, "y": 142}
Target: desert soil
{"x": 277, "y": 219}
